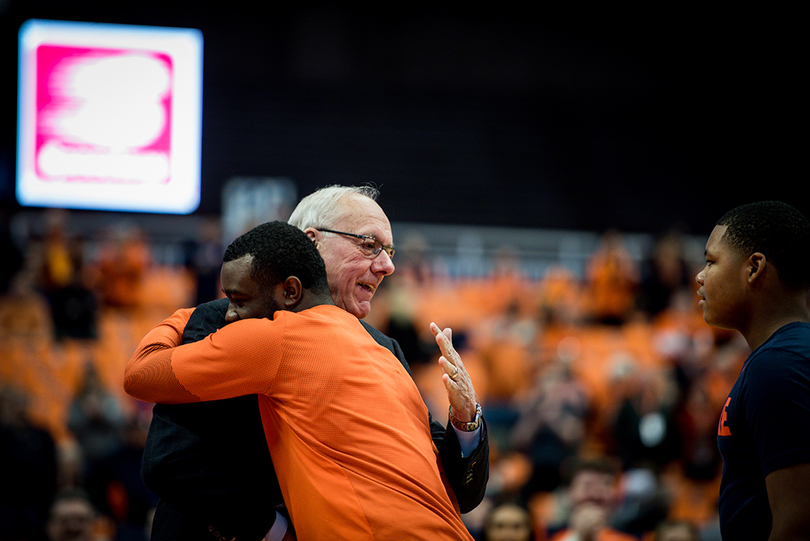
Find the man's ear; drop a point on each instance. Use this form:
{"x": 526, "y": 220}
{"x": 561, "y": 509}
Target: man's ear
{"x": 293, "y": 292}
{"x": 757, "y": 264}
{"x": 313, "y": 234}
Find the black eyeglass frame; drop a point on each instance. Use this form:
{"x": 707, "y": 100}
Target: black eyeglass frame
{"x": 378, "y": 246}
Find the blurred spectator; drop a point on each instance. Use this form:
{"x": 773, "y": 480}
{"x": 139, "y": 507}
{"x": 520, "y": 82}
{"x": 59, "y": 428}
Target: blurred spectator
{"x": 508, "y": 522}
{"x": 612, "y": 281}
{"x": 697, "y": 427}
{"x": 121, "y": 267}
{"x": 399, "y": 295}
{"x": 664, "y": 274}
{"x": 559, "y": 297}
{"x": 95, "y": 419}
{"x": 643, "y": 429}
{"x": 27, "y": 470}
{"x": 552, "y": 425}
{"x": 204, "y": 261}
{"x": 398, "y": 302}
{"x": 66, "y": 282}
{"x": 507, "y": 284}
{"x": 73, "y": 518}
{"x": 57, "y": 265}
{"x": 592, "y": 495}
{"x": 644, "y": 502}
{"x": 70, "y": 464}
{"x": 676, "y": 530}
{"x": 24, "y": 312}
{"x": 505, "y": 342}
{"x": 74, "y": 310}
{"x": 115, "y": 487}
{"x": 13, "y": 255}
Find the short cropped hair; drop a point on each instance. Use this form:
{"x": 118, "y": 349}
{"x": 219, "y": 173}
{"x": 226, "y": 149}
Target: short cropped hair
{"x": 321, "y": 208}
{"x": 279, "y": 251}
{"x": 778, "y": 231}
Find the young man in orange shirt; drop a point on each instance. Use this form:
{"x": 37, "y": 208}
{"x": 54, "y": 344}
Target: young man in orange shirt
{"x": 347, "y": 429}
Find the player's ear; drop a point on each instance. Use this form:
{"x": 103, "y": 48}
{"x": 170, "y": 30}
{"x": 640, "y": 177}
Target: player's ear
{"x": 293, "y": 291}
{"x": 757, "y": 264}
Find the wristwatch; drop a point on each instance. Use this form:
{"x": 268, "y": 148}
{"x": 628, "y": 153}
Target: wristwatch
{"x": 468, "y": 426}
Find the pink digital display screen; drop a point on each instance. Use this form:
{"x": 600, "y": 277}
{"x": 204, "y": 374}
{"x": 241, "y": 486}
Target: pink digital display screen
{"x": 109, "y": 117}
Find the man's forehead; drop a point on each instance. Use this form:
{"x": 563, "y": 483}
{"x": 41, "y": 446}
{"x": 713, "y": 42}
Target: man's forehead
{"x": 240, "y": 265}
{"x": 716, "y": 237}
{"x": 236, "y": 275}
{"x": 365, "y": 218}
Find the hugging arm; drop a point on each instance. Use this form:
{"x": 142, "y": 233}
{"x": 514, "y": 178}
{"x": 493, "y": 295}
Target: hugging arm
{"x": 148, "y": 375}
{"x": 208, "y": 461}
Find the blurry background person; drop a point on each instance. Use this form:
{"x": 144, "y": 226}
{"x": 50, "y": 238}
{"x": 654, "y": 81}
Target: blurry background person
{"x": 27, "y": 469}
{"x": 593, "y": 498}
{"x": 676, "y": 530}
{"x": 73, "y": 518}
{"x": 508, "y": 521}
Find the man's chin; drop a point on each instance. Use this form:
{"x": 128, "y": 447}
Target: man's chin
{"x": 363, "y": 311}
{"x": 358, "y": 309}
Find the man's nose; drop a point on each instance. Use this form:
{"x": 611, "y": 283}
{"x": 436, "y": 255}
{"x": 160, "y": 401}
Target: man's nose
{"x": 383, "y": 264}
{"x": 231, "y": 314}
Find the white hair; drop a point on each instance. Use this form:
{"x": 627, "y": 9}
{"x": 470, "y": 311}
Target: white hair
{"x": 321, "y": 208}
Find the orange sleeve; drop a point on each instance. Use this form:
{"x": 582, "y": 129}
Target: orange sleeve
{"x": 148, "y": 375}
{"x": 241, "y": 358}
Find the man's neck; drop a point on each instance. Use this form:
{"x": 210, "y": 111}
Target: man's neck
{"x": 310, "y": 300}
{"x": 772, "y": 320}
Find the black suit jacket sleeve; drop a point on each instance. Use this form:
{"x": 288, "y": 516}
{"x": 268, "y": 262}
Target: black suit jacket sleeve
{"x": 468, "y": 476}
{"x": 209, "y": 462}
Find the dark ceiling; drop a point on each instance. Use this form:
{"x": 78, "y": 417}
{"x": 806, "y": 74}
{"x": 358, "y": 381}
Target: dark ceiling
{"x": 520, "y": 117}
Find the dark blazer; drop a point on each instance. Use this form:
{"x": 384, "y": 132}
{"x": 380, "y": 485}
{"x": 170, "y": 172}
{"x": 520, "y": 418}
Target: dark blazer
{"x": 210, "y": 465}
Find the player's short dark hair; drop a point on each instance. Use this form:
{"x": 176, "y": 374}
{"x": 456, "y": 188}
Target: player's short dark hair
{"x": 279, "y": 251}
{"x": 777, "y": 230}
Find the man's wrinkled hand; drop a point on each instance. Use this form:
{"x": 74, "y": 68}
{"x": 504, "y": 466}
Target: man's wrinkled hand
{"x": 457, "y": 382}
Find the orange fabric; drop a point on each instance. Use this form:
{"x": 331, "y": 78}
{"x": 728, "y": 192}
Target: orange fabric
{"x": 346, "y": 426}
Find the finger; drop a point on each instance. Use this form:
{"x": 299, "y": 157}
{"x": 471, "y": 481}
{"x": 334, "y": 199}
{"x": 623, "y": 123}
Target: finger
{"x": 448, "y": 367}
{"x": 451, "y": 370}
{"x": 444, "y": 341}
{"x": 448, "y": 332}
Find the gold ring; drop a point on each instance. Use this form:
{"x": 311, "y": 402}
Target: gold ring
{"x": 454, "y": 375}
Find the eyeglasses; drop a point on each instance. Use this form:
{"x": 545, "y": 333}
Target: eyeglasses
{"x": 370, "y": 246}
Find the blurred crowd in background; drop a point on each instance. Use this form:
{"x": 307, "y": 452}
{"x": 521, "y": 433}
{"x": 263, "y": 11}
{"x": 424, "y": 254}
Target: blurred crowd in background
{"x": 613, "y": 363}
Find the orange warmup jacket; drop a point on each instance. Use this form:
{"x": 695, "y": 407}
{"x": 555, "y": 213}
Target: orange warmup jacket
{"x": 346, "y": 426}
